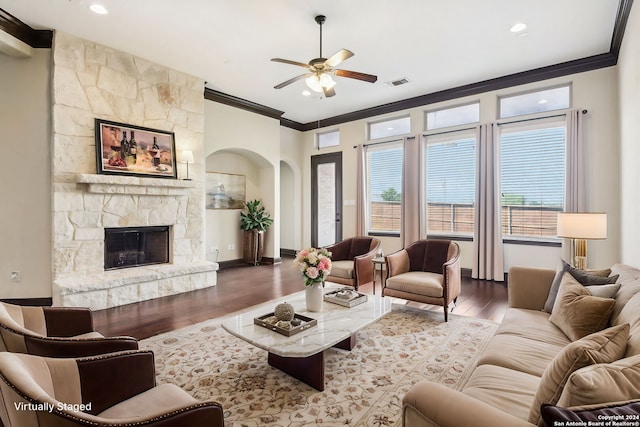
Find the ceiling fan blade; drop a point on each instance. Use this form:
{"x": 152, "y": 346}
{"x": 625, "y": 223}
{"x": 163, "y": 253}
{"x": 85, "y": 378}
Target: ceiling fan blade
{"x": 295, "y": 79}
{"x": 287, "y": 61}
{"x": 328, "y": 92}
{"x": 342, "y": 55}
{"x": 356, "y": 75}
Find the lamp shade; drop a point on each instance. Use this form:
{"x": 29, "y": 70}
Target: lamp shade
{"x": 582, "y": 225}
{"x": 187, "y": 156}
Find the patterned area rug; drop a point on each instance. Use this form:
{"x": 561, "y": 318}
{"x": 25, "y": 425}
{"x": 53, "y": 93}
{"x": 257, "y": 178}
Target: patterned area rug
{"x": 363, "y": 387}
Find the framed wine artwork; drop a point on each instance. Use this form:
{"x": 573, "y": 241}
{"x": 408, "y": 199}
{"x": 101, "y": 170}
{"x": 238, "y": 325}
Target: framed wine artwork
{"x": 123, "y": 149}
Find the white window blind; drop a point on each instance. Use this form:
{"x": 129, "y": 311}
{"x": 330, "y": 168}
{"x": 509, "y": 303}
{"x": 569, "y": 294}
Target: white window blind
{"x": 532, "y": 158}
{"x": 450, "y": 183}
{"x": 384, "y": 164}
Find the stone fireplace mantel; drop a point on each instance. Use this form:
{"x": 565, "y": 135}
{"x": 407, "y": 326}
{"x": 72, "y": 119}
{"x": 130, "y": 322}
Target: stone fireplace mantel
{"x": 114, "y": 184}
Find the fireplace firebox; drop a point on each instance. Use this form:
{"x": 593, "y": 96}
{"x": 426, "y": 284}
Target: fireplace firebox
{"x": 135, "y": 246}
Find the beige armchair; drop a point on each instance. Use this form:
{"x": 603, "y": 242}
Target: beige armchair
{"x": 351, "y": 261}
{"x": 55, "y": 332}
{"x": 426, "y": 271}
{"x": 117, "y": 389}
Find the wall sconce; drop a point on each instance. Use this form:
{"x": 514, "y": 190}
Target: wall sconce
{"x": 582, "y": 227}
{"x": 187, "y": 157}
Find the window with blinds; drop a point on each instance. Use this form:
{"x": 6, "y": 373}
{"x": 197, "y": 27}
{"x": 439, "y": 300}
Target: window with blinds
{"x": 532, "y": 159}
{"x": 384, "y": 167}
{"x": 450, "y": 162}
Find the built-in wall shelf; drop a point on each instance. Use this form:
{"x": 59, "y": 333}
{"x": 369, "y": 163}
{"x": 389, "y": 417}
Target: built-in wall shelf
{"x": 114, "y": 184}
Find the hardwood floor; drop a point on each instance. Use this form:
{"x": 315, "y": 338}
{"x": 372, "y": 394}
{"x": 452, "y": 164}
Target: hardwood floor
{"x": 243, "y": 287}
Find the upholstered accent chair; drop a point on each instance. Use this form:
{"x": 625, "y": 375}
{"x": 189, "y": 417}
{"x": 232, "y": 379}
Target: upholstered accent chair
{"x": 55, "y": 332}
{"x": 426, "y": 271}
{"x": 117, "y": 389}
{"x": 351, "y": 260}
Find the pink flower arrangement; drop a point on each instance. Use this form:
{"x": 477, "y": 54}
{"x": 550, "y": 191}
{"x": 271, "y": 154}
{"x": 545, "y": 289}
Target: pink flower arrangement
{"x": 314, "y": 264}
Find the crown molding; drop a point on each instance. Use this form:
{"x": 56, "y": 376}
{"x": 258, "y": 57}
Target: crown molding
{"x": 43, "y": 39}
{"x": 18, "y": 29}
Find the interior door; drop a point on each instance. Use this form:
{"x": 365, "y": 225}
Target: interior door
{"x": 326, "y": 199}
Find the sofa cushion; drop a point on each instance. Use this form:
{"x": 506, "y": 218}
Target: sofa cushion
{"x": 585, "y": 277}
{"x": 505, "y": 389}
{"x": 342, "y": 269}
{"x": 619, "y": 411}
{"x": 519, "y": 353}
{"x": 601, "y": 347}
{"x": 576, "y": 312}
{"x": 155, "y": 401}
{"x": 533, "y": 325}
{"x": 611, "y": 382}
{"x": 417, "y": 282}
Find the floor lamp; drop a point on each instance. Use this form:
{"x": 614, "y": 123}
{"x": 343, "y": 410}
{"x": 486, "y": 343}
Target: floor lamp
{"x": 582, "y": 226}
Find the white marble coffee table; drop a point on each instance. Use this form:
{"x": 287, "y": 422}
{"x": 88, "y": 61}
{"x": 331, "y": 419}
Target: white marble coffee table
{"x": 302, "y": 355}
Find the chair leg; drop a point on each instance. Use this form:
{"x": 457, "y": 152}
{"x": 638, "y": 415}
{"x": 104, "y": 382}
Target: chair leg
{"x": 446, "y": 313}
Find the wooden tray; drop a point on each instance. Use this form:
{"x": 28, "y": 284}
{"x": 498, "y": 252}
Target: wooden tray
{"x": 307, "y": 322}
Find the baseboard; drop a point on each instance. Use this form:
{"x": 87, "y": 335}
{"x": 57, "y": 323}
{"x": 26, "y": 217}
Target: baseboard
{"x": 234, "y": 263}
{"x": 35, "y": 302}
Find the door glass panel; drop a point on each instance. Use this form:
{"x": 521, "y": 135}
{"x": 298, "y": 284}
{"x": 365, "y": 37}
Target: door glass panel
{"x": 326, "y": 204}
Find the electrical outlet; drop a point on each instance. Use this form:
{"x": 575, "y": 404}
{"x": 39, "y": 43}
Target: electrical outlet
{"x": 16, "y": 276}
{"x": 231, "y": 247}
{"x": 214, "y": 249}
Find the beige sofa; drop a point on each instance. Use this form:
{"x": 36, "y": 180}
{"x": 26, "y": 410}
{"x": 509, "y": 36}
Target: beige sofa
{"x": 521, "y": 356}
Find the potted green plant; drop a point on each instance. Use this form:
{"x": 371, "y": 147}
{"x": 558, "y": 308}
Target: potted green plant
{"x": 254, "y": 220}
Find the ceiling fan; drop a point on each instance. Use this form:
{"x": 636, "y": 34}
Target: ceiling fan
{"x": 321, "y": 69}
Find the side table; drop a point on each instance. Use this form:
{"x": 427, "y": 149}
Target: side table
{"x": 379, "y": 263}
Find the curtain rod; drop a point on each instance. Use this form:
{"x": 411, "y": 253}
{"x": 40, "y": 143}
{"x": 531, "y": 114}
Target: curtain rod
{"x": 537, "y": 118}
{"x": 474, "y": 127}
{"x": 383, "y": 142}
{"x": 444, "y": 132}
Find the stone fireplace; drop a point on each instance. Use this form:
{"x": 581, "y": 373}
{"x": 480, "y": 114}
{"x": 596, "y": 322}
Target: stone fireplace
{"x": 93, "y": 81}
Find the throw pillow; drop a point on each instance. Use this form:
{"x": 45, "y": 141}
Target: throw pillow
{"x": 585, "y": 277}
{"x": 613, "y": 382}
{"x": 600, "y": 347}
{"x": 576, "y": 312}
{"x": 622, "y": 411}
{"x": 604, "y": 291}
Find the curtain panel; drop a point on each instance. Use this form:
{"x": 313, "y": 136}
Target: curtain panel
{"x": 574, "y": 180}
{"x": 411, "y": 192}
{"x": 361, "y": 200}
{"x": 488, "y": 251}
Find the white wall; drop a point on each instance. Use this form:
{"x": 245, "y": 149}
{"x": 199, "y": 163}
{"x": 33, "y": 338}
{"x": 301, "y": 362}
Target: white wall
{"x": 629, "y": 89}
{"x": 234, "y": 132}
{"x": 25, "y": 223}
{"x": 595, "y": 91}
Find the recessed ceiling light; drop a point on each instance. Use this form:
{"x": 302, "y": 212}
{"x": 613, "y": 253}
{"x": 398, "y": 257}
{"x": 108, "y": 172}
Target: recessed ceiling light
{"x": 306, "y": 93}
{"x": 99, "y": 9}
{"x": 542, "y": 101}
{"x": 518, "y": 26}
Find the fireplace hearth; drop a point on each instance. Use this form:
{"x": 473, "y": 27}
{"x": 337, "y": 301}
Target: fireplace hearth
{"x": 127, "y": 247}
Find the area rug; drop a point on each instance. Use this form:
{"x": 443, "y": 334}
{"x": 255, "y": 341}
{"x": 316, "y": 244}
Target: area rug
{"x": 363, "y": 387}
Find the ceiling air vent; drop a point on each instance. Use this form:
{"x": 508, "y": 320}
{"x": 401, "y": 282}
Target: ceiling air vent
{"x": 397, "y": 82}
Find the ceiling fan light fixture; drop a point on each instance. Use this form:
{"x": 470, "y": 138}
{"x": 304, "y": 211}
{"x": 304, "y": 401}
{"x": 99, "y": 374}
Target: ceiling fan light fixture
{"x": 318, "y": 83}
